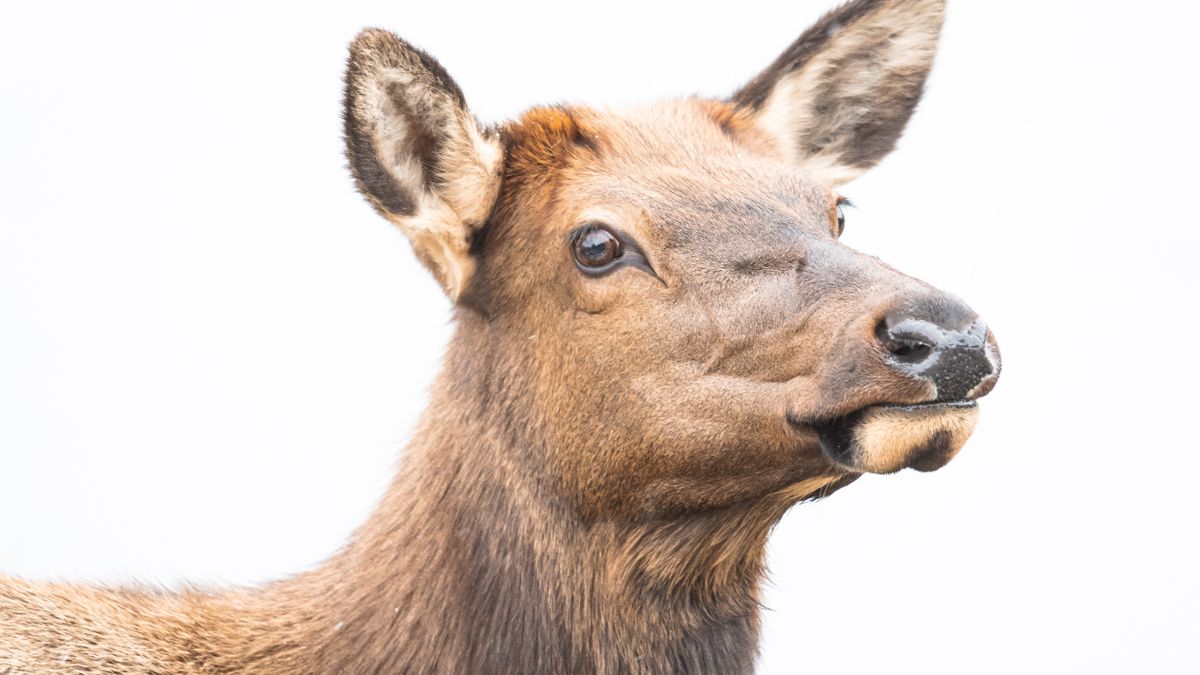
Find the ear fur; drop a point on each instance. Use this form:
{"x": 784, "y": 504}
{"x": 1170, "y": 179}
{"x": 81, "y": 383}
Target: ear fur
{"x": 417, "y": 154}
{"x": 838, "y": 99}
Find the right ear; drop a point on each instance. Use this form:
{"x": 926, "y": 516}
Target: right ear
{"x": 417, "y": 154}
{"x": 838, "y": 99}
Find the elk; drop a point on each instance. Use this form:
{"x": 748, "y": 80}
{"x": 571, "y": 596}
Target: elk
{"x": 660, "y": 347}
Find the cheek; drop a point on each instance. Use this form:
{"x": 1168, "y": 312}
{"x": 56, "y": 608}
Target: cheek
{"x": 691, "y": 441}
{"x": 747, "y": 307}
{"x": 751, "y": 331}
{"x": 643, "y": 424}
{"x": 595, "y": 297}
{"x": 655, "y": 398}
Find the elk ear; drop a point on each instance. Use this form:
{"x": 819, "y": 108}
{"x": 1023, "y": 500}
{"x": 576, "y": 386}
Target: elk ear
{"x": 417, "y": 154}
{"x": 838, "y": 99}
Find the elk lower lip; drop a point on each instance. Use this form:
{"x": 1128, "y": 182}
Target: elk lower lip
{"x": 837, "y": 435}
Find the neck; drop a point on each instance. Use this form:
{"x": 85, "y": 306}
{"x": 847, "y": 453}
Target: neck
{"x": 472, "y": 563}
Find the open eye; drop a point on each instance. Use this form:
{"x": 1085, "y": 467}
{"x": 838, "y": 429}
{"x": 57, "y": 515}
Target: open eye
{"x": 842, "y": 205}
{"x": 599, "y": 249}
{"x": 596, "y": 247}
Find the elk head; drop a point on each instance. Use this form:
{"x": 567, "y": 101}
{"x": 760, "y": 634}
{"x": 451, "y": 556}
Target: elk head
{"x": 655, "y": 300}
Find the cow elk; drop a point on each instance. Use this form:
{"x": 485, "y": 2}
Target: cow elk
{"x": 660, "y": 347}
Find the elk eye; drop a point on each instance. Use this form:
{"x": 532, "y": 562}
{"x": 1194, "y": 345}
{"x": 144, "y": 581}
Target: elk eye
{"x": 842, "y": 205}
{"x": 596, "y": 247}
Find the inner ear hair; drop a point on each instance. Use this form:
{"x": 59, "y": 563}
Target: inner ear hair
{"x": 839, "y": 97}
{"x": 417, "y": 154}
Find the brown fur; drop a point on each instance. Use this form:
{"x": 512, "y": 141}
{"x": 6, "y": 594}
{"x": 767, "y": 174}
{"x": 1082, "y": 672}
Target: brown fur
{"x": 592, "y": 486}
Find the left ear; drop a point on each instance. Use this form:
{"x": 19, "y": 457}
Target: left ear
{"x": 417, "y": 153}
{"x": 838, "y": 99}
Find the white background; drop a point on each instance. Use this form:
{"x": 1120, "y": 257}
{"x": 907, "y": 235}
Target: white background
{"x": 212, "y": 351}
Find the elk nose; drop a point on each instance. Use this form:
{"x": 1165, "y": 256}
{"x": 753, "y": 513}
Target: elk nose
{"x": 941, "y": 340}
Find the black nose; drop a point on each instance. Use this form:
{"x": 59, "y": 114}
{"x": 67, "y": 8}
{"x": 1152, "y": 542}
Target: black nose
{"x": 940, "y": 339}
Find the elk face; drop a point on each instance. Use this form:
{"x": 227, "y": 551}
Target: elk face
{"x": 662, "y": 292}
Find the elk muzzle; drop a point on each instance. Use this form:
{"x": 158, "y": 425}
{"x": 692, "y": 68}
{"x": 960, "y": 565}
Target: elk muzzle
{"x": 935, "y": 338}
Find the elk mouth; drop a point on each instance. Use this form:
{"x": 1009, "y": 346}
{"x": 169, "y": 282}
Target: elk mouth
{"x": 886, "y": 438}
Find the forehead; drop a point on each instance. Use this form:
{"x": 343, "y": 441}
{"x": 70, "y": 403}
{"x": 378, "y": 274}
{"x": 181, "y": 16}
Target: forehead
{"x": 684, "y": 171}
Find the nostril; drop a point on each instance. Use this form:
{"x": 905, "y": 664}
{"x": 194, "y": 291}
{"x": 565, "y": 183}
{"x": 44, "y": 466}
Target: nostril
{"x": 906, "y": 340}
{"x": 908, "y": 349}
{"x": 955, "y": 355}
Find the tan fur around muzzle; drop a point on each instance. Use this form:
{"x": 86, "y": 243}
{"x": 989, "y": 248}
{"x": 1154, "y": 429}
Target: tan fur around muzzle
{"x": 889, "y": 439}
